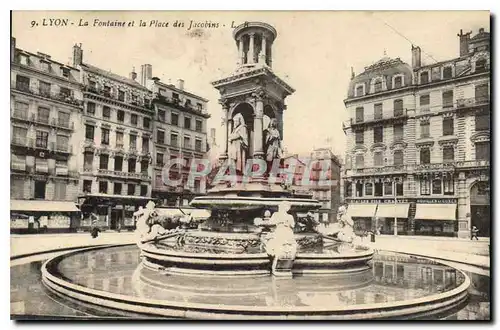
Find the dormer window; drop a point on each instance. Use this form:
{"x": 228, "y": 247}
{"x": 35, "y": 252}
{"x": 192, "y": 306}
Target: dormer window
{"x": 360, "y": 90}
{"x": 398, "y": 82}
{"x": 447, "y": 72}
{"x": 377, "y": 86}
{"x": 424, "y": 77}
{"x": 23, "y": 59}
{"x": 480, "y": 65}
{"x": 45, "y": 66}
{"x": 65, "y": 72}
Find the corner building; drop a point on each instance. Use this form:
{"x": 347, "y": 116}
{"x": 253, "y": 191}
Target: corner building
{"x": 418, "y": 144}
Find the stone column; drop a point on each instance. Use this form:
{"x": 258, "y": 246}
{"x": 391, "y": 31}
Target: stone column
{"x": 463, "y": 212}
{"x": 263, "y": 54}
{"x": 225, "y": 109}
{"x": 241, "y": 58}
{"x": 251, "y": 51}
{"x": 257, "y": 127}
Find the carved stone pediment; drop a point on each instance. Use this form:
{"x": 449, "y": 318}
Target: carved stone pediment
{"x": 379, "y": 146}
{"x": 481, "y": 136}
{"x": 360, "y": 147}
{"x": 398, "y": 144}
{"x": 426, "y": 142}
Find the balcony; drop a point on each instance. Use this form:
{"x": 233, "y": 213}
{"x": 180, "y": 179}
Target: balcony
{"x": 391, "y": 169}
{"x": 60, "y": 97}
{"x": 473, "y": 164}
{"x": 472, "y": 102}
{"x": 398, "y": 115}
{"x": 437, "y": 167}
{"x": 61, "y": 123}
{"x": 59, "y": 147}
{"x": 19, "y": 141}
{"x": 176, "y": 103}
{"x": 18, "y": 166}
{"x": 18, "y": 114}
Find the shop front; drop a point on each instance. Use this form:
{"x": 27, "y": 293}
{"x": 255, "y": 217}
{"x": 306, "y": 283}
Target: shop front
{"x": 392, "y": 219}
{"x": 436, "y": 220}
{"x": 362, "y": 216}
{"x": 40, "y": 216}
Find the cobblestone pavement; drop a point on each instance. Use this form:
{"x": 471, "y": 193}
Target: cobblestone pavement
{"x": 451, "y": 249}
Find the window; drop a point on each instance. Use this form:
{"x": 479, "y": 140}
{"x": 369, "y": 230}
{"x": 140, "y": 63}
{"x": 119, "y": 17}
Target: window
{"x": 378, "y": 159}
{"x": 348, "y": 189}
{"x": 103, "y": 162}
{"x": 482, "y": 93}
{"x": 187, "y": 142}
{"x": 62, "y": 142}
{"x": 59, "y": 191}
{"x": 359, "y": 114}
{"x": 388, "y": 188}
{"x": 23, "y": 59}
{"x": 119, "y": 139}
{"x": 425, "y": 186}
{"x": 398, "y": 132}
{"x": 448, "y": 154}
{"x": 425, "y": 156}
{"x": 103, "y": 187}
{"x": 105, "y": 136}
{"x": 65, "y": 72}
{"x": 399, "y": 188}
{"x": 449, "y": 185}
{"x": 22, "y": 83}
{"x": 44, "y": 88}
{"x": 133, "y": 119}
{"x": 146, "y": 122}
{"x": 87, "y": 186}
{"x": 121, "y": 96}
{"x": 21, "y": 110}
{"x": 197, "y": 145}
{"x": 187, "y": 122}
{"x": 199, "y": 124}
{"x": 106, "y": 112}
{"x": 173, "y": 140}
{"x": 359, "y": 189}
{"x": 160, "y": 136}
{"x": 133, "y": 142}
{"x": 378, "y": 189}
{"x": 161, "y": 115}
{"x": 437, "y": 186}
{"x": 144, "y": 190}
{"x": 360, "y": 161}
{"x": 199, "y": 106}
{"x": 482, "y": 122}
{"x": 447, "y": 126}
{"x": 378, "y": 86}
{"x": 448, "y": 99}
{"x": 398, "y": 82}
{"x": 92, "y": 85}
{"x": 42, "y": 139}
{"x": 144, "y": 166}
{"x": 118, "y": 163}
{"x": 91, "y": 108}
{"x": 175, "y": 96}
{"x": 19, "y": 135}
{"x": 159, "y": 159}
{"x": 424, "y": 77}
{"x": 424, "y": 102}
{"x": 63, "y": 119}
{"x": 368, "y": 189}
{"x": 145, "y": 144}
{"x": 88, "y": 161}
{"x": 131, "y": 165}
{"x": 398, "y": 157}
{"x": 117, "y": 188}
{"x": 398, "y": 108}
{"x": 480, "y": 65}
{"x": 130, "y": 189}
{"x": 424, "y": 129}
{"x": 43, "y": 115}
{"x": 447, "y": 72}
{"x": 120, "y": 116}
{"x": 107, "y": 91}
{"x": 40, "y": 189}
{"x": 65, "y": 92}
{"x": 360, "y": 137}
{"x": 174, "y": 119}
{"x": 45, "y": 66}
{"x": 359, "y": 90}
{"x": 188, "y": 103}
{"x": 378, "y": 111}
{"x": 378, "y": 134}
{"x": 482, "y": 150}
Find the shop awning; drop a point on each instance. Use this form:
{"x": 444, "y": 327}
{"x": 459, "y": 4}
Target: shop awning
{"x": 436, "y": 212}
{"x": 361, "y": 210}
{"x": 195, "y": 213}
{"x": 42, "y": 206}
{"x": 393, "y": 210}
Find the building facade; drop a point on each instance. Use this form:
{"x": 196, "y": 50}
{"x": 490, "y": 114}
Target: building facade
{"x": 46, "y": 102}
{"x": 180, "y": 132}
{"x": 417, "y": 159}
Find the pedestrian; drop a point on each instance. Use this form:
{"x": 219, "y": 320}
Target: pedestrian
{"x": 94, "y": 231}
{"x": 474, "y": 232}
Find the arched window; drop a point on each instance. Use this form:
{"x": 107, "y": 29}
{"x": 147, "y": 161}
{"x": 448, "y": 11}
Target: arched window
{"x": 398, "y": 82}
{"x": 377, "y": 87}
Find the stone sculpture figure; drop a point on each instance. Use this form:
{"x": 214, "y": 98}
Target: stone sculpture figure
{"x": 281, "y": 243}
{"x": 142, "y": 216}
{"x": 238, "y": 142}
{"x": 272, "y": 138}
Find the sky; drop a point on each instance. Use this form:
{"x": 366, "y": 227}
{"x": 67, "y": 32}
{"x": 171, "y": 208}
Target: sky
{"x": 314, "y": 53}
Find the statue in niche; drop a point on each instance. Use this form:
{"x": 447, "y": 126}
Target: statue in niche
{"x": 272, "y": 138}
{"x": 238, "y": 142}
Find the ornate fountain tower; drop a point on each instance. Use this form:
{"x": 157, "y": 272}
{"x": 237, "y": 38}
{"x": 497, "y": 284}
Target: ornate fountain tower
{"x": 253, "y": 91}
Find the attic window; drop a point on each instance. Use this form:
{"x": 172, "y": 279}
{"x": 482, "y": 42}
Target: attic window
{"x": 359, "y": 90}
{"x": 65, "y": 72}
{"x": 480, "y": 65}
{"x": 424, "y": 77}
{"x": 398, "y": 82}
{"x": 447, "y": 73}
{"x": 378, "y": 86}
{"x": 23, "y": 59}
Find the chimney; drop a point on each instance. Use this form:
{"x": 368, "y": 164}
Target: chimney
{"x": 146, "y": 73}
{"x": 212, "y": 136}
{"x": 481, "y": 30}
{"x": 180, "y": 84}
{"x": 464, "y": 43}
{"x": 133, "y": 74}
{"x": 12, "y": 48}
{"x": 416, "y": 57}
{"x": 77, "y": 55}
{"x": 352, "y": 73}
